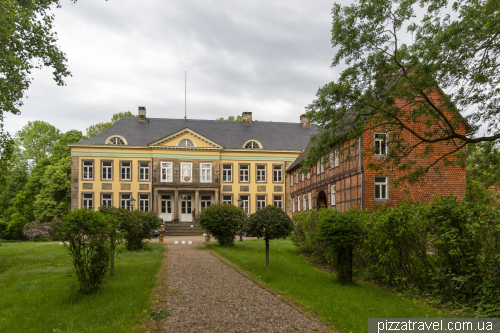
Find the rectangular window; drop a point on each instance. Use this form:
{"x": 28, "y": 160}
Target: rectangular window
{"x": 106, "y": 200}
{"x": 88, "y": 200}
{"x": 309, "y": 175}
{"x": 309, "y": 200}
{"x": 143, "y": 171}
{"x": 381, "y": 144}
{"x": 125, "y": 201}
{"x": 244, "y": 171}
{"x": 278, "y": 201}
{"x": 126, "y": 171}
{"x": 227, "y": 173}
{"x": 293, "y": 205}
{"x": 297, "y": 177}
{"x": 298, "y": 203}
{"x": 302, "y": 176}
{"x": 291, "y": 179}
{"x": 166, "y": 171}
{"x": 318, "y": 166}
{"x": 322, "y": 165}
{"x": 333, "y": 194}
{"x": 88, "y": 170}
{"x": 227, "y": 199}
{"x": 144, "y": 202}
{"x": 107, "y": 170}
{"x": 166, "y": 204}
{"x": 206, "y": 200}
{"x": 246, "y": 204}
{"x": 186, "y": 172}
{"x": 261, "y": 173}
{"x": 206, "y": 173}
{"x": 334, "y": 160}
{"x": 278, "y": 174}
{"x": 381, "y": 188}
{"x": 261, "y": 201}
{"x": 304, "y": 202}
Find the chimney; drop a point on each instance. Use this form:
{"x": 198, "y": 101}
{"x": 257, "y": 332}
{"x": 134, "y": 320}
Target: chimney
{"x": 305, "y": 121}
{"x": 247, "y": 118}
{"x": 142, "y": 114}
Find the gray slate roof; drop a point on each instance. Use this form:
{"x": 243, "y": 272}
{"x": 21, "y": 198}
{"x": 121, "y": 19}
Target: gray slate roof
{"x": 230, "y": 134}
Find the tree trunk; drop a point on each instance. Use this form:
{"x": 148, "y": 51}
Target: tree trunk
{"x": 267, "y": 253}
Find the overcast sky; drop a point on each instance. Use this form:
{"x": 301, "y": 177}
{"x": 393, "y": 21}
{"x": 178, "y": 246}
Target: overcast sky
{"x": 266, "y": 57}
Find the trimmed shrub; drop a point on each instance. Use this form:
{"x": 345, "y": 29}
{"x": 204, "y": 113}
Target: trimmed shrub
{"x": 222, "y": 221}
{"x": 269, "y": 222}
{"x": 88, "y": 232}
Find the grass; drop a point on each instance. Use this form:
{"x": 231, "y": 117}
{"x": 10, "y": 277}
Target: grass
{"x": 38, "y": 290}
{"x": 345, "y": 307}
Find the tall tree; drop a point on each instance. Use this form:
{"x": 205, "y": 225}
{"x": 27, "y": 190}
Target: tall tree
{"x": 95, "y": 129}
{"x": 456, "y": 47}
{"x": 37, "y": 139}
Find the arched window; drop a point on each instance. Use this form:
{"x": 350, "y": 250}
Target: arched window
{"x": 115, "y": 140}
{"x": 252, "y": 145}
{"x": 186, "y": 143}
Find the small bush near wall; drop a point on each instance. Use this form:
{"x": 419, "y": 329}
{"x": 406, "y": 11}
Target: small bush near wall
{"x": 222, "y": 221}
{"x": 445, "y": 249}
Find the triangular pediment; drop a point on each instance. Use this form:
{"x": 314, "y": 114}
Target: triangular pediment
{"x": 173, "y": 140}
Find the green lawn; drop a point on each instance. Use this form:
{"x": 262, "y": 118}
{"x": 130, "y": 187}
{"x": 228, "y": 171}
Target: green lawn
{"x": 345, "y": 307}
{"x": 37, "y": 290}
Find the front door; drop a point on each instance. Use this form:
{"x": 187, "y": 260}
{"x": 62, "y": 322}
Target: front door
{"x": 206, "y": 201}
{"x": 166, "y": 208}
{"x": 186, "y": 208}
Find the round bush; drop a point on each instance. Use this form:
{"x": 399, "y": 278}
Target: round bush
{"x": 222, "y": 221}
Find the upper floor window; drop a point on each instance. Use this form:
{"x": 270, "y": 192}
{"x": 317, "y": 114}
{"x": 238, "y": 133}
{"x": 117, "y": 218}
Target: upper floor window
{"x": 381, "y": 144}
{"x": 261, "y": 173}
{"x": 334, "y": 158}
{"x": 297, "y": 177}
{"x": 186, "y": 143}
{"x": 252, "y": 145}
{"x": 227, "y": 173}
{"x": 381, "y": 188}
{"x": 244, "y": 171}
{"x": 88, "y": 170}
{"x": 115, "y": 140}
{"x": 186, "y": 172}
{"x": 309, "y": 200}
{"x": 126, "y": 171}
{"x": 166, "y": 171}
{"x": 309, "y": 175}
{"x": 206, "y": 173}
{"x": 304, "y": 202}
{"x": 143, "y": 171}
{"x": 107, "y": 170}
{"x": 278, "y": 174}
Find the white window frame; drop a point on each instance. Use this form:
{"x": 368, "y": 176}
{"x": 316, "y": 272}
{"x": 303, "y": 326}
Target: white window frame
{"x": 186, "y": 172}
{"x": 246, "y": 203}
{"x": 227, "y": 173}
{"x": 304, "y": 201}
{"x": 244, "y": 171}
{"x": 143, "y": 171}
{"x": 124, "y": 202}
{"x": 107, "y": 201}
{"x": 322, "y": 165}
{"x": 334, "y": 160}
{"x": 293, "y": 204}
{"x": 88, "y": 170}
{"x": 260, "y": 202}
{"x": 302, "y": 176}
{"x": 129, "y": 168}
{"x": 278, "y": 174}
{"x": 166, "y": 176}
{"x": 205, "y": 172}
{"x": 230, "y": 201}
{"x": 309, "y": 175}
{"x": 297, "y": 177}
{"x": 380, "y": 151}
{"x": 298, "y": 203}
{"x": 309, "y": 200}
{"x": 88, "y": 200}
{"x": 107, "y": 170}
{"x": 333, "y": 195}
{"x": 384, "y": 195}
{"x": 144, "y": 202}
{"x": 278, "y": 201}
{"x": 261, "y": 173}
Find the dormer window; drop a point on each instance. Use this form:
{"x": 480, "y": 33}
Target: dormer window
{"x": 252, "y": 145}
{"x": 186, "y": 143}
{"x": 116, "y": 140}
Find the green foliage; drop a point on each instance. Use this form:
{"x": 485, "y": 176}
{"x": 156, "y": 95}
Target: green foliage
{"x": 88, "y": 232}
{"x": 18, "y": 177}
{"x": 54, "y": 198}
{"x": 15, "y": 226}
{"x": 95, "y": 129}
{"x": 343, "y": 232}
{"x": 305, "y": 235}
{"x": 454, "y": 47}
{"x": 36, "y": 140}
{"x": 222, "y": 221}
{"x": 6, "y": 156}
{"x": 269, "y": 222}
{"x": 60, "y": 149}
{"x": 27, "y": 42}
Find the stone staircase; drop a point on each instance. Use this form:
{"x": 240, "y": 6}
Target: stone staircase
{"x": 183, "y": 229}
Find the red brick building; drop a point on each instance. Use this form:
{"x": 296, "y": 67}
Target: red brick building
{"x": 343, "y": 180}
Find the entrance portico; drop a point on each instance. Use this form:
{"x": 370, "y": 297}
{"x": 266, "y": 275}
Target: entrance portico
{"x": 179, "y": 204}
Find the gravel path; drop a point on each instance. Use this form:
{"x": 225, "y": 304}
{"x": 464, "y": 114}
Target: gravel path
{"x": 206, "y": 295}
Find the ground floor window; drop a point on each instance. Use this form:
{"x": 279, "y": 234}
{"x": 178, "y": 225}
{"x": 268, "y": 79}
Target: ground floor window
{"x": 144, "y": 202}
{"x": 125, "y": 201}
{"x": 227, "y": 199}
{"x": 309, "y": 200}
{"x": 293, "y": 205}
{"x": 166, "y": 204}
{"x": 261, "y": 201}
{"x": 246, "y": 203}
{"x": 206, "y": 201}
{"x": 278, "y": 201}
{"x": 106, "y": 200}
{"x": 304, "y": 202}
{"x": 88, "y": 201}
{"x": 298, "y": 203}
{"x": 333, "y": 194}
